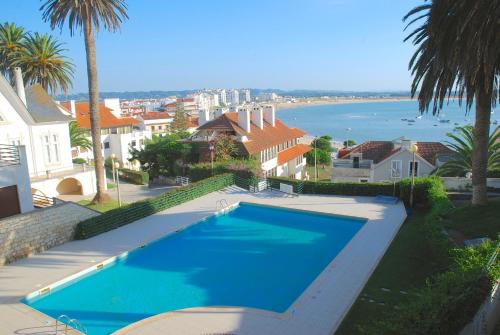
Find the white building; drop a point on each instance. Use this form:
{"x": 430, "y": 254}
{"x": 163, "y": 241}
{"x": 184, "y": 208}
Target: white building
{"x": 118, "y": 134}
{"x": 222, "y": 97}
{"x": 259, "y": 134}
{"x": 267, "y": 96}
{"x": 233, "y": 97}
{"x": 377, "y": 161}
{"x": 245, "y": 96}
{"x": 32, "y": 120}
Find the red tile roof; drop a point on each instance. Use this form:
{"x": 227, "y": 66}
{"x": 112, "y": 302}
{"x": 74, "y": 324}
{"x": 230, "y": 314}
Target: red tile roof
{"x": 381, "y": 150}
{"x": 156, "y": 116}
{"x": 258, "y": 139}
{"x": 108, "y": 120}
{"x": 293, "y": 152}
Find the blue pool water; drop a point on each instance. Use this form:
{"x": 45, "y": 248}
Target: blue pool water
{"x": 254, "y": 256}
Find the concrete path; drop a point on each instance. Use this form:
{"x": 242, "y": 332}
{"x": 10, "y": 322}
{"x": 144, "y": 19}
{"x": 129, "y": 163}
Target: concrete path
{"x": 319, "y": 310}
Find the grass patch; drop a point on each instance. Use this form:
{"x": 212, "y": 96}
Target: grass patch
{"x": 110, "y": 186}
{"x": 405, "y": 265}
{"x": 324, "y": 173}
{"x": 103, "y": 208}
{"x": 476, "y": 221}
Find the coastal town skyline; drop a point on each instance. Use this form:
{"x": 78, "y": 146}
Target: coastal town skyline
{"x": 299, "y": 45}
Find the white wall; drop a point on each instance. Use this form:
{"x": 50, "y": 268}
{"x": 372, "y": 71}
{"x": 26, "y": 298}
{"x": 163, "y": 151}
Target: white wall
{"x": 465, "y": 184}
{"x": 18, "y": 175}
{"x": 49, "y": 186}
{"x": 382, "y": 171}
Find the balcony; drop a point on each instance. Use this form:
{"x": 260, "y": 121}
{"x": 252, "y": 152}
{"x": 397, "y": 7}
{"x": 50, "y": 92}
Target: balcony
{"x": 9, "y": 155}
{"x": 352, "y": 164}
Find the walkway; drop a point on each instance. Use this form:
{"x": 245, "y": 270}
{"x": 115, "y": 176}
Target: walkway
{"x": 319, "y": 310}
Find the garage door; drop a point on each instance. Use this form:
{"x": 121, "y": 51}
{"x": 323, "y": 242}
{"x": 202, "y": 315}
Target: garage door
{"x": 9, "y": 201}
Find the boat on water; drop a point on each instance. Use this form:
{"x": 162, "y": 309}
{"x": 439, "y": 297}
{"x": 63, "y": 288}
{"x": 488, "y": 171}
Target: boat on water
{"x": 444, "y": 121}
{"x": 419, "y": 117}
{"x": 495, "y": 122}
{"x": 411, "y": 121}
{"x": 404, "y": 119}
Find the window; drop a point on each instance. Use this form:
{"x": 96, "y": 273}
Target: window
{"x": 355, "y": 162}
{"x": 114, "y": 131}
{"x": 133, "y": 143}
{"x": 410, "y": 168}
{"x": 152, "y": 128}
{"x": 50, "y": 144}
{"x": 396, "y": 169}
{"x": 106, "y": 145}
{"x": 363, "y": 180}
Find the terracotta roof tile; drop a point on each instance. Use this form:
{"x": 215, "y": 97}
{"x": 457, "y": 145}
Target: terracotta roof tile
{"x": 108, "y": 120}
{"x": 258, "y": 139}
{"x": 293, "y": 152}
{"x": 156, "y": 116}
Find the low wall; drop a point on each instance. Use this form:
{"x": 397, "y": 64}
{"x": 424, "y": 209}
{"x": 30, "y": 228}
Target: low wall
{"x": 25, "y": 234}
{"x": 465, "y": 184}
{"x": 487, "y": 316}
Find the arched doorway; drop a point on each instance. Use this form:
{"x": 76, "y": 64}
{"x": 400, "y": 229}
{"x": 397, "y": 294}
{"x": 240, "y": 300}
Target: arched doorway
{"x": 69, "y": 186}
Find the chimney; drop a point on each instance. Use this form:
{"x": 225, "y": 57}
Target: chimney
{"x": 258, "y": 117}
{"x": 219, "y": 111}
{"x": 72, "y": 108}
{"x": 204, "y": 116}
{"x": 244, "y": 118}
{"x": 270, "y": 115}
{"x": 18, "y": 76}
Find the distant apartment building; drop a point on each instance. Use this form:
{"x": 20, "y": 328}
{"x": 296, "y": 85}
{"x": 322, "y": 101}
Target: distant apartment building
{"x": 233, "y": 97}
{"x": 118, "y": 134}
{"x": 158, "y": 123}
{"x": 245, "y": 96}
{"x": 258, "y": 134}
{"x": 376, "y": 161}
{"x": 34, "y": 137}
{"x": 222, "y": 97}
{"x": 267, "y": 96}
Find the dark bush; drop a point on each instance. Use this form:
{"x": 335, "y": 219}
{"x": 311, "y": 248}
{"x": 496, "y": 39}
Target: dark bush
{"x": 79, "y": 160}
{"x": 134, "y": 177}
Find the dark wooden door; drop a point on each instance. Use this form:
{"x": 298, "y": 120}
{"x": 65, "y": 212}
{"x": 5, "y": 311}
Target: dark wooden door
{"x": 9, "y": 201}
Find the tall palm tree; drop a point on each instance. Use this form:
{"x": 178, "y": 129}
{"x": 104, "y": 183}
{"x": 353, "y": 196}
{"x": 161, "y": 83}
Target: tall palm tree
{"x": 462, "y": 144}
{"x": 77, "y": 137}
{"x": 458, "y": 54}
{"x": 11, "y": 38}
{"x": 88, "y": 16}
{"x": 42, "y": 62}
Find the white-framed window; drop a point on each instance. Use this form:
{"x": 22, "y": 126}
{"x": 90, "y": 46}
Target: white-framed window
{"x": 50, "y": 142}
{"x": 410, "y": 168}
{"x": 396, "y": 169}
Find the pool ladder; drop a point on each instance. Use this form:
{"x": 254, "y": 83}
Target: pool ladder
{"x": 73, "y": 323}
{"x": 222, "y": 203}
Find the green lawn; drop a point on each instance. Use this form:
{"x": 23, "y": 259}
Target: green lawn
{"x": 107, "y": 206}
{"x": 324, "y": 173}
{"x": 404, "y": 266}
{"x": 471, "y": 221}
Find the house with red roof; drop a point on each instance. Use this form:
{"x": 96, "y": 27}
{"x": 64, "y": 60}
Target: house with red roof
{"x": 258, "y": 133}
{"x": 119, "y": 133}
{"x": 376, "y": 161}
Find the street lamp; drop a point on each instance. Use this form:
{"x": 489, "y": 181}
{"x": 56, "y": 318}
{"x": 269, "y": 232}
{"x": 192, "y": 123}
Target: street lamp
{"x": 315, "y": 161}
{"x": 414, "y": 150}
{"x": 212, "y": 148}
{"x": 116, "y": 166}
{"x": 113, "y": 156}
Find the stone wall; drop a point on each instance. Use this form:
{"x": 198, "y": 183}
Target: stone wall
{"x": 465, "y": 184}
{"x": 25, "y": 234}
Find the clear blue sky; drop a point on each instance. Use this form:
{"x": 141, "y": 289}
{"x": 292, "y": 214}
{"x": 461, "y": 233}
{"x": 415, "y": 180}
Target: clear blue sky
{"x": 288, "y": 44}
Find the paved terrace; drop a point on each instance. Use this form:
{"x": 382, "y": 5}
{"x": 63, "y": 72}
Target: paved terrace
{"x": 319, "y": 310}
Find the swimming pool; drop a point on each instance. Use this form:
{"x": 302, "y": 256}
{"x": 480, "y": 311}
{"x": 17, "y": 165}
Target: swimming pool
{"x": 252, "y": 256}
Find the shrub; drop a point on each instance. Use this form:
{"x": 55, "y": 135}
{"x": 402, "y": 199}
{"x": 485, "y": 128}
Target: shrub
{"x": 124, "y": 215}
{"x": 79, "y": 160}
{"x": 244, "y": 168}
{"x": 134, "y": 177}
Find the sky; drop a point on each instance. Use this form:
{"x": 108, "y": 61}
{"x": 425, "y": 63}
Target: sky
{"x": 347, "y": 45}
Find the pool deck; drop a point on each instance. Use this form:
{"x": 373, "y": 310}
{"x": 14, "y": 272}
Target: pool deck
{"x": 319, "y": 310}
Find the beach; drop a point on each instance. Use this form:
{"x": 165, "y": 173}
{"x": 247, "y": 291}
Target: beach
{"x": 336, "y": 101}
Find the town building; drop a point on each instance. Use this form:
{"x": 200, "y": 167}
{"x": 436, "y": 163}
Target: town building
{"x": 245, "y": 96}
{"x": 267, "y": 96}
{"x": 259, "y": 134}
{"x": 158, "y": 123}
{"x": 34, "y": 137}
{"x": 118, "y": 134}
{"x": 376, "y": 161}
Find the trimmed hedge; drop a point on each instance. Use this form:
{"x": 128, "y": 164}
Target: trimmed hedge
{"x": 134, "y": 177}
{"x": 243, "y": 168}
{"x": 121, "y": 216}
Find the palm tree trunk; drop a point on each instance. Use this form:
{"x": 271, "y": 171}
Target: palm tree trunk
{"x": 95, "y": 117}
{"x": 480, "y": 148}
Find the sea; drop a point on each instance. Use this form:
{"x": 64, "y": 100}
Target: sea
{"x": 379, "y": 120}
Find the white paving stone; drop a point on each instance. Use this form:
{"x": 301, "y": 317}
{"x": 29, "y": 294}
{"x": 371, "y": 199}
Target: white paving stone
{"x": 319, "y": 310}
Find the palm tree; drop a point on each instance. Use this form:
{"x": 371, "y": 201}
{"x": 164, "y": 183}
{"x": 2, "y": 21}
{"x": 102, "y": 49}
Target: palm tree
{"x": 458, "y": 53}
{"x": 89, "y": 16}
{"x": 462, "y": 144}
{"x": 11, "y": 38}
{"x": 77, "y": 137}
{"x": 42, "y": 62}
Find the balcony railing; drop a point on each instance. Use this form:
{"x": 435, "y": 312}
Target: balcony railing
{"x": 352, "y": 164}
{"x": 56, "y": 173}
{"x": 42, "y": 201}
{"x": 9, "y": 155}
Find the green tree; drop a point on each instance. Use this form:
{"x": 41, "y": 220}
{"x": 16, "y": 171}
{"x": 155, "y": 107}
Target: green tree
{"x": 458, "y": 52}
{"x": 11, "y": 39}
{"x": 349, "y": 143}
{"x": 42, "y": 62}
{"x": 463, "y": 143}
{"x": 323, "y": 143}
{"x": 322, "y": 157}
{"x": 78, "y": 137}
{"x": 89, "y": 16}
{"x": 179, "y": 124}
{"x": 225, "y": 147}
